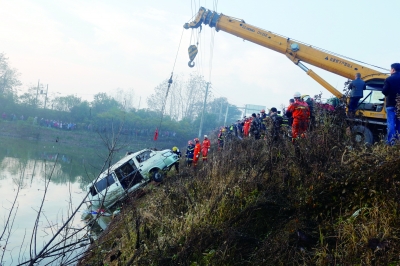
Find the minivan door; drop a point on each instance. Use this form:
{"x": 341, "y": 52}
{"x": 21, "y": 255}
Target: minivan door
{"x": 128, "y": 175}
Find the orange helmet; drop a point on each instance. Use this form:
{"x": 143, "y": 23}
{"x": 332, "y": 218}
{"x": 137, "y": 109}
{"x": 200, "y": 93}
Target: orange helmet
{"x": 196, "y": 140}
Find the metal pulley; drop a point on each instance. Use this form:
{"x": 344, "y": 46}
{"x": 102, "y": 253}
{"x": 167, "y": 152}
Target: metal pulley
{"x": 192, "y": 54}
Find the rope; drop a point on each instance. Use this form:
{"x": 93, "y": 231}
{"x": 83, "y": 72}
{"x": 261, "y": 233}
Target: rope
{"x": 179, "y": 46}
{"x": 169, "y": 85}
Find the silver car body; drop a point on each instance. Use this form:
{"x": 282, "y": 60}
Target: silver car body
{"x": 129, "y": 174}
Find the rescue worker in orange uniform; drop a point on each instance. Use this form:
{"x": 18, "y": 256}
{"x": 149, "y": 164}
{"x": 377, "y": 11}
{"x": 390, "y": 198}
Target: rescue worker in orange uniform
{"x": 196, "y": 153}
{"x": 246, "y": 127}
{"x": 205, "y": 147}
{"x": 301, "y": 115}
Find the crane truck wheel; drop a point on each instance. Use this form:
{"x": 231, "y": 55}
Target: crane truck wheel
{"x": 362, "y": 135}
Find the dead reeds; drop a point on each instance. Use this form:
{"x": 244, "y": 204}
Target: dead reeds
{"x": 324, "y": 200}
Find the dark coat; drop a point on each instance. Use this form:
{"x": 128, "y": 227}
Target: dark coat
{"x": 357, "y": 87}
{"x": 190, "y": 152}
{"x": 391, "y": 89}
{"x": 255, "y": 125}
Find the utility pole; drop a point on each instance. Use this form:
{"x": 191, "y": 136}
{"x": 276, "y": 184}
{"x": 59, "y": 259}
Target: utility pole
{"x": 226, "y": 114}
{"x": 140, "y": 98}
{"x": 37, "y": 93}
{"x": 220, "y": 113}
{"x": 204, "y": 108}
{"x": 45, "y": 99}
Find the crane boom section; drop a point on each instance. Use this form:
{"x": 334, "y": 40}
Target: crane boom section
{"x": 295, "y": 51}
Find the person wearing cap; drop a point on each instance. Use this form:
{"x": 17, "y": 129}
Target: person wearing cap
{"x": 177, "y": 152}
{"x": 356, "y": 88}
{"x": 301, "y": 115}
{"x": 189, "y": 153}
{"x": 391, "y": 90}
{"x": 205, "y": 148}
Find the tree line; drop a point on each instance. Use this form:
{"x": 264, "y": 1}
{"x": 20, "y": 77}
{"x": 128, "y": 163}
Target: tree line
{"x": 182, "y": 110}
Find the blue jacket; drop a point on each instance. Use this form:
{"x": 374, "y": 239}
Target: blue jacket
{"x": 357, "y": 87}
{"x": 189, "y": 152}
{"x": 391, "y": 89}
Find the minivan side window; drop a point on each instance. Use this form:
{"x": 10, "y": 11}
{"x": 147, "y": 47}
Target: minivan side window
{"x": 143, "y": 156}
{"x": 104, "y": 183}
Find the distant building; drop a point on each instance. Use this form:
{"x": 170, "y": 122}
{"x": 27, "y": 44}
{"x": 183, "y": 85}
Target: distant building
{"x": 252, "y": 108}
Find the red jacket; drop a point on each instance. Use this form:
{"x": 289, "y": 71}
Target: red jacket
{"x": 247, "y": 124}
{"x": 206, "y": 144}
{"x": 299, "y": 110}
{"x": 197, "y": 149}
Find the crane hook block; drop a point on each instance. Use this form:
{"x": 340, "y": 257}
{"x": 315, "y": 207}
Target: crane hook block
{"x": 192, "y": 54}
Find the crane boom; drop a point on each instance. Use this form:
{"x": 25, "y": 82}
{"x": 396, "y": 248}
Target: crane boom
{"x": 296, "y": 51}
{"x": 371, "y": 107}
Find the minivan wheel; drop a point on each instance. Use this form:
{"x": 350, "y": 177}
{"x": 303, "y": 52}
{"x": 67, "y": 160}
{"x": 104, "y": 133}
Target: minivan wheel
{"x": 156, "y": 175}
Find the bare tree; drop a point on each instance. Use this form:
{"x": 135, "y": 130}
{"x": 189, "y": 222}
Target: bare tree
{"x": 124, "y": 97}
{"x": 185, "y": 98}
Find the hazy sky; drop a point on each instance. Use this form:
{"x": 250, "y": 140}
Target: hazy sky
{"x": 85, "y": 47}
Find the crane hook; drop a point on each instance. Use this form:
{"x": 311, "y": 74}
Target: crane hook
{"x": 192, "y": 54}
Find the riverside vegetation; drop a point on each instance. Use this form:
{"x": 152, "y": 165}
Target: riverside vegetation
{"x": 324, "y": 201}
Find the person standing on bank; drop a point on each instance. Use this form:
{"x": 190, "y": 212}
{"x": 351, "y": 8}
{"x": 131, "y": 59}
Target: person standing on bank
{"x": 189, "y": 153}
{"x": 177, "y": 152}
{"x": 197, "y": 150}
{"x": 391, "y": 89}
{"x": 356, "y": 88}
{"x": 301, "y": 115}
{"x": 255, "y": 126}
{"x": 205, "y": 148}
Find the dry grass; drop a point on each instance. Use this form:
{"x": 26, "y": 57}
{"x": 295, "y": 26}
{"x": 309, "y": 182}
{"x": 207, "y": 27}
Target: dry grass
{"x": 323, "y": 201}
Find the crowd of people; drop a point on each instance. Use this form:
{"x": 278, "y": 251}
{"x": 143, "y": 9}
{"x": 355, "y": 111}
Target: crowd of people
{"x": 59, "y": 124}
{"x": 300, "y": 117}
{"x": 297, "y": 115}
{"x": 54, "y": 124}
{"x": 194, "y": 151}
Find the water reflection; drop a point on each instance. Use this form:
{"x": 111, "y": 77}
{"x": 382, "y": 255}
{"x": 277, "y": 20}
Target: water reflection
{"x": 25, "y": 169}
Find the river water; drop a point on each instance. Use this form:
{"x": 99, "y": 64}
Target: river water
{"x": 26, "y": 168}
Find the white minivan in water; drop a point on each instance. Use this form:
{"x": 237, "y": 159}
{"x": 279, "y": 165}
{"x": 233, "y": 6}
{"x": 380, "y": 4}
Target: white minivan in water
{"x": 129, "y": 174}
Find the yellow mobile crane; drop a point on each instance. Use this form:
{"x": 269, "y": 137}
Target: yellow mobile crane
{"x": 371, "y": 106}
